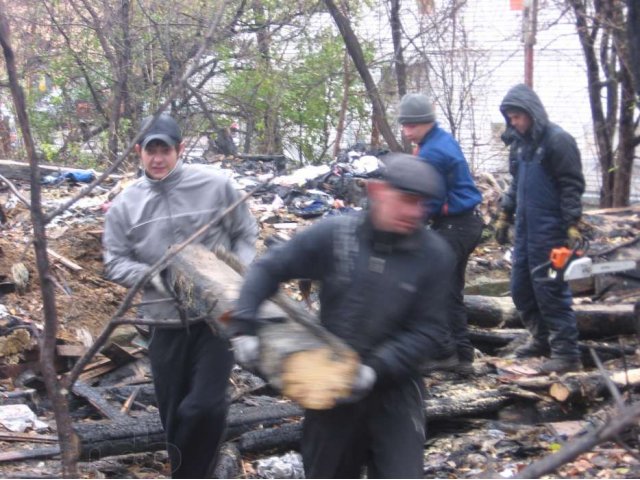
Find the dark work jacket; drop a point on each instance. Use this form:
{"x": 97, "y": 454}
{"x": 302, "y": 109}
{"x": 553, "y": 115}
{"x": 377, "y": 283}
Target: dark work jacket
{"x": 384, "y": 294}
{"x": 553, "y": 194}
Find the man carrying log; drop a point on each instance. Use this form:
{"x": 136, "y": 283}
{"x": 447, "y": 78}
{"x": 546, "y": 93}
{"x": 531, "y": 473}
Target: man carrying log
{"x": 544, "y": 195}
{"x": 190, "y": 365}
{"x": 384, "y": 279}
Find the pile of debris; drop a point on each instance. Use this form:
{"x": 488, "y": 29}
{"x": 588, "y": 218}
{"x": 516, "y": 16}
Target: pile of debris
{"x": 493, "y": 424}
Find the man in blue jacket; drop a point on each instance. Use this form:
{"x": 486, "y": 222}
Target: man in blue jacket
{"x": 545, "y": 196}
{"x": 455, "y": 218}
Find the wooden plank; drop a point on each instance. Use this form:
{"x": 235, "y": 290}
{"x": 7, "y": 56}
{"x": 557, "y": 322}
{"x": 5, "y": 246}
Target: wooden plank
{"x": 64, "y": 260}
{"x": 94, "y": 398}
{"x": 25, "y": 454}
{"x": 27, "y": 437}
{"x": 70, "y": 350}
{"x": 97, "y": 372}
{"x": 118, "y": 354}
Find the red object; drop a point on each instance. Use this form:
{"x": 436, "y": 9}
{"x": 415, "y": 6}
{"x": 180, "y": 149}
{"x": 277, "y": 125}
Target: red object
{"x": 516, "y": 4}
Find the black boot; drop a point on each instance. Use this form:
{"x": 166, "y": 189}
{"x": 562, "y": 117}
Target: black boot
{"x": 561, "y": 365}
{"x": 532, "y": 348}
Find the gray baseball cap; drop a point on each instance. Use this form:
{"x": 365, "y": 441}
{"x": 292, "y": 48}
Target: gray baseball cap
{"x": 413, "y": 175}
{"x": 164, "y": 129}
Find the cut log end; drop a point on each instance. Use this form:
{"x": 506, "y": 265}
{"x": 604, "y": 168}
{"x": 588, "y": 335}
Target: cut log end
{"x": 317, "y": 379}
{"x": 559, "y": 392}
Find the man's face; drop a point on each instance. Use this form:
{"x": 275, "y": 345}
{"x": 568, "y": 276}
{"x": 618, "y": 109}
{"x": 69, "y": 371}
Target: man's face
{"x": 395, "y": 211}
{"x": 158, "y": 158}
{"x": 414, "y": 132}
{"x": 519, "y": 120}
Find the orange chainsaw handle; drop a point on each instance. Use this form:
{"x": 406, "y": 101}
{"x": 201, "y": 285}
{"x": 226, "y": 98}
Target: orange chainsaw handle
{"x": 561, "y": 256}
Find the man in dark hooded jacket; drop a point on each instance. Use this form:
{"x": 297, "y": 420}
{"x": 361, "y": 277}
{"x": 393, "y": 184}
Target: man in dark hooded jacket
{"x": 545, "y": 198}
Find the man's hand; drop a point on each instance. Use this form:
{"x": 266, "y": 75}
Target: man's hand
{"x": 157, "y": 283}
{"x": 246, "y": 349}
{"x": 502, "y": 228}
{"x": 574, "y": 235}
{"x": 362, "y": 384}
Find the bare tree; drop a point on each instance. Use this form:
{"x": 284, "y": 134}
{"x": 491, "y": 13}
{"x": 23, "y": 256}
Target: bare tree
{"x": 355, "y": 51}
{"x": 448, "y": 66}
{"x": 66, "y": 436}
{"x": 601, "y": 28}
{"x": 398, "y": 55}
{"x": 633, "y": 31}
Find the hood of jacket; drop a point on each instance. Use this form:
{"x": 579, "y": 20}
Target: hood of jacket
{"x": 524, "y": 98}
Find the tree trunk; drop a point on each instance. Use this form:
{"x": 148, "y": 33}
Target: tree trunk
{"x": 633, "y": 32}
{"x": 344, "y": 104}
{"x": 57, "y": 395}
{"x": 354, "y": 49}
{"x": 399, "y": 64}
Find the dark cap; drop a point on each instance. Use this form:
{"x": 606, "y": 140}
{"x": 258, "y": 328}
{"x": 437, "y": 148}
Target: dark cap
{"x": 164, "y": 129}
{"x": 413, "y": 175}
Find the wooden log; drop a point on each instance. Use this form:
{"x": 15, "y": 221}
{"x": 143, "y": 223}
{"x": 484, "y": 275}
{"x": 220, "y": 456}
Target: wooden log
{"x": 475, "y": 402}
{"x": 594, "y": 320}
{"x": 485, "y": 311}
{"x": 145, "y": 433}
{"x": 587, "y": 386}
{"x": 603, "y": 320}
{"x": 282, "y": 438}
{"x": 302, "y": 359}
{"x": 207, "y": 287}
{"x": 511, "y": 338}
{"x": 229, "y": 460}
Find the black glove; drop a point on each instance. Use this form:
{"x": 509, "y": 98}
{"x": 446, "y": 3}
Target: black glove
{"x": 502, "y": 228}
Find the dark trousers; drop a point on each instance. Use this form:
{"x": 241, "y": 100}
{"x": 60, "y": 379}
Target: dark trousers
{"x": 545, "y": 307}
{"x": 462, "y": 233}
{"x": 384, "y": 432}
{"x": 191, "y": 374}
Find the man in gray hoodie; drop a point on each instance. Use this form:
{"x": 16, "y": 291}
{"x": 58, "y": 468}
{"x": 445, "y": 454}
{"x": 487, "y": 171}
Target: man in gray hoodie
{"x": 190, "y": 366}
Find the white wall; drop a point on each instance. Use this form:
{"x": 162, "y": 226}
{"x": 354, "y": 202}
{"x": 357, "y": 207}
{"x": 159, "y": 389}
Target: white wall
{"x": 494, "y": 32}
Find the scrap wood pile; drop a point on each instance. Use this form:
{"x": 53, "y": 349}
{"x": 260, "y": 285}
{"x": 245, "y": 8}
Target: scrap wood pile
{"x": 492, "y": 424}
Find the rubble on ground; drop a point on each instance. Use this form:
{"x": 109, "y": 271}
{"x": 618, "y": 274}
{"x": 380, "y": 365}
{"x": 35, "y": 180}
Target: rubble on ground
{"x": 492, "y": 424}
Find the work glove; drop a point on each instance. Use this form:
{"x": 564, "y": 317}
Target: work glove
{"x": 362, "y": 384}
{"x": 246, "y": 349}
{"x": 157, "y": 283}
{"x": 502, "y": 228}
{"x": 574, "y": 236}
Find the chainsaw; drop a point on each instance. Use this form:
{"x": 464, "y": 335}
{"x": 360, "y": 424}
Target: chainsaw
{"x": 573, "y": 264}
